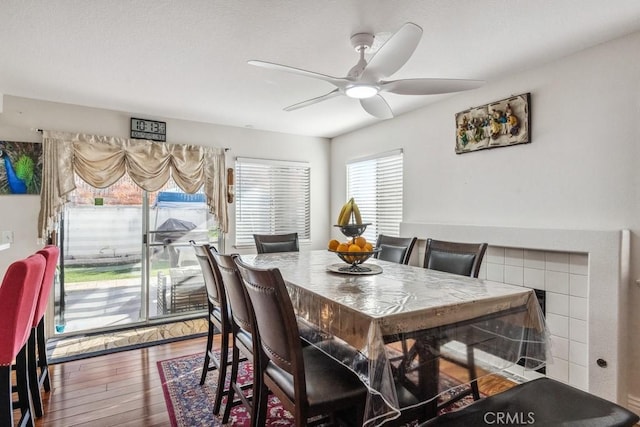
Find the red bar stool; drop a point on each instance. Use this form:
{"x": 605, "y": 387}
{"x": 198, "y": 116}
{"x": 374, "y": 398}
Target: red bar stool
{"x": 18, "y": 297}
{"x": 38, "y": 359}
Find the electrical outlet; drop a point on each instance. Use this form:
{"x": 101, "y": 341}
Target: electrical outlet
{"x": 6, "y": 237}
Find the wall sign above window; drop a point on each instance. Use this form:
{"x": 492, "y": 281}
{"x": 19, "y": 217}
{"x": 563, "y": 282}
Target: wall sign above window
{"x": 501, "y": 123}
{"x": 148, "y": 129}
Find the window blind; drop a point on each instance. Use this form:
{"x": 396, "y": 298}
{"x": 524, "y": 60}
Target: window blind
{"x": 272, "y": 197}
{"x": 375, "y": 183}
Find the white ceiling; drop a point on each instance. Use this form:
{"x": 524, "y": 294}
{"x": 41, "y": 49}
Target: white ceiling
{"x": 188, "y": 59}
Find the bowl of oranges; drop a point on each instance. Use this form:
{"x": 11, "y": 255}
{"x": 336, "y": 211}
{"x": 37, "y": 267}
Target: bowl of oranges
{"x": 355, "y": 251}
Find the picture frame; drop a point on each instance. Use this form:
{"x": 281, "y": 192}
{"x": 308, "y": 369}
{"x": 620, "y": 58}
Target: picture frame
{"x": 498, "y": 124}
{"x": 20, "y": 168}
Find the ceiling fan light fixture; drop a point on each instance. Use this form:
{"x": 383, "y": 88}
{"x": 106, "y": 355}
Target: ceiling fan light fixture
{"x": 368, "y": 78}
{"x": 361, "y": 91}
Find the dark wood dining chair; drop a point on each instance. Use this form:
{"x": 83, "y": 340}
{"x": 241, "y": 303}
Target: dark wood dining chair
{"x": 218, "y": 318}
{"x": 463, "y": 259}
{"x": 270, "y": 243}
{"x": 540, "y": 402}
{"x": 18, "y": 298}
{"x": 36, "y": 345}
{"x": 307, "y": 381}
{"x": 244, "y": 337}
{"x": 451, "y": 257}
{"x": 395, "y": 249}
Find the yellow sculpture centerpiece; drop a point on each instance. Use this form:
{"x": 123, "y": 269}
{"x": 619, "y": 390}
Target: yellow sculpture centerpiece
{"x": 356, "y": 250}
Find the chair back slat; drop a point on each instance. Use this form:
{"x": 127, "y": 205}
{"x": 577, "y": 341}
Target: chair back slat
{"x": 212, "y": 280}
{"x": 275, "y": 318}
{"x": 236, "y": 294}
{"x": 395, "y": 249}
{"x": 270, "y": 243}
{"x": 454, "y": 257}
{"x": 51, "y": 254}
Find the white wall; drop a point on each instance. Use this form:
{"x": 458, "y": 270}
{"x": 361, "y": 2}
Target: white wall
{"x": 20, "y": 116}
{"x": 579, "y": 172}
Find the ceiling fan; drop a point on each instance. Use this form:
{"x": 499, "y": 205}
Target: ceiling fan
{"x": 366, "y": 80}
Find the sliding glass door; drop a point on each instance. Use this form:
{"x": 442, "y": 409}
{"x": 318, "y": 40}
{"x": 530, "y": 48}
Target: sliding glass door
{"x": 126, "y": 258}
{"x": 176, "y": 283}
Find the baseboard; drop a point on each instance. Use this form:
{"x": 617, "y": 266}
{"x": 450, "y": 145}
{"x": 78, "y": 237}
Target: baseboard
{"x": 633, "y": 403}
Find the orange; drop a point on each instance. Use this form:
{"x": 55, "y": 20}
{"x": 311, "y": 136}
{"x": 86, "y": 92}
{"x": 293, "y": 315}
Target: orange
{"x": 360, "y": 241}
{"x": 355, "y": 248}
{"x": 342, "y": 247}
{"x": 333, "y": 244}
{"x": 368, "y": 247}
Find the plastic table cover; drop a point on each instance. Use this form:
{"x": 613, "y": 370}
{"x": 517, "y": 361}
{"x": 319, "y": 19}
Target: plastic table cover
{"x": 392, "y": 328}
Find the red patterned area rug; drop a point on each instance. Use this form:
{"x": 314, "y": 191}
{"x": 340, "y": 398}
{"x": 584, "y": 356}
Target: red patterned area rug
{"x": 190, "y": 405}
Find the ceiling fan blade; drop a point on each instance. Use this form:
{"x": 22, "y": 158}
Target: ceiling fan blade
{"x": 428, "y": 86}
{"x": 394, "y": 53}
{"x": 337, "y": 81}
{"x": 311, "y": 101}
{"x": 377, "y": 107}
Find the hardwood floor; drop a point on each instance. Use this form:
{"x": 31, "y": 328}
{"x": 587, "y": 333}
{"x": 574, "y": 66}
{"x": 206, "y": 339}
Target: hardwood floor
{"x": 123, "y": 389}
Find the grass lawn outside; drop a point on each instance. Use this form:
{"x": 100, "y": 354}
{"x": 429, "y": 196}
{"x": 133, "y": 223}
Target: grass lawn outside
{"x": 110, "y": 272}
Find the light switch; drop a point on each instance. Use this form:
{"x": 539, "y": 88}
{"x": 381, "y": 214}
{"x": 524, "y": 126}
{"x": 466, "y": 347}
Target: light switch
{"x": 6, "y": 237}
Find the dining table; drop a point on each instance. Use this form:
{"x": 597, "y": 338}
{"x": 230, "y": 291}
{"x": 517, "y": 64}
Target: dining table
{"x": 393, "y": 324}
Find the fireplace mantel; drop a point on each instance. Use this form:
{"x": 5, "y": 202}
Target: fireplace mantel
{"x": 608, "y": 281}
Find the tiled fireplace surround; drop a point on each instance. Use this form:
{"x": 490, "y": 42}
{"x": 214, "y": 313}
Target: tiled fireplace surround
{"x": 585, "y": 276}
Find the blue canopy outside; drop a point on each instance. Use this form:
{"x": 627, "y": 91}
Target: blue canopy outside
{"x": 175, "y": 199}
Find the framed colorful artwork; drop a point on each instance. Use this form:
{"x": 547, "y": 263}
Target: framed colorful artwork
{"x": 501, "y": 123}
{"x": 20, "y": 167}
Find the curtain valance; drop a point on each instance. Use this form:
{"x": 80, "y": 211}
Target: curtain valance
{"x": 103, "y": 160}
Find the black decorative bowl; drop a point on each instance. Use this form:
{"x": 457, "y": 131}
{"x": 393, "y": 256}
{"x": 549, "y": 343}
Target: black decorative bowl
{"x": 355, "y": 261}
{"x": 352, "y": 230}
{"x": 355, "y": 258}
